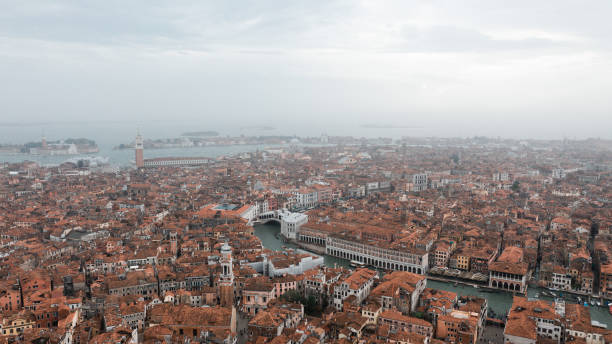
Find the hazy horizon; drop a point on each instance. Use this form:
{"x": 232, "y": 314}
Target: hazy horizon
{"x": 115, "y": 132}
{"x": 540, "y": 70}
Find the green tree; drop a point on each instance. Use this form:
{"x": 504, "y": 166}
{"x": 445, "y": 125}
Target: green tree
{"x": 516, "y": 186}
{"x": 311, "y": 303}
{"x": 419, "y": 315}
{"x": 293, "y": 296}
{"x": 455, "y": 158}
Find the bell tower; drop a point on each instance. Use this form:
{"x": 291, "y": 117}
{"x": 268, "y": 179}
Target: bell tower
{"x": 226, "y": 279}
{"x": 138, "y": 151}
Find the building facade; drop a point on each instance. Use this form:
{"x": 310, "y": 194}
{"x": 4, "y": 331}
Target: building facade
{"x": 409, "y": 259}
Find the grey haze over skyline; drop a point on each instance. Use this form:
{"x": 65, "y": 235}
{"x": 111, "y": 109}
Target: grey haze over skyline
{"x": 521, "y": 69}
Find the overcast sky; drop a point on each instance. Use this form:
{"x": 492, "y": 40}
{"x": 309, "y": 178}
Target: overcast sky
{"x": 450, "y": 68}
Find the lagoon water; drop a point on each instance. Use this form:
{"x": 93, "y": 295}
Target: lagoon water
{"x": 125, "y": 157}
{"x": 109, "y": 134}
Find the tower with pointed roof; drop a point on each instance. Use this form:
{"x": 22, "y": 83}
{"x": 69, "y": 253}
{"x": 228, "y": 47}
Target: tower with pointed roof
{"x": 138, "y": 151}
{"x": 226, "y": 279}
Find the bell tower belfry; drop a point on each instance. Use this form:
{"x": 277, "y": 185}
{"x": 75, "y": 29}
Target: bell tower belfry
{"x": 226, "y": 279}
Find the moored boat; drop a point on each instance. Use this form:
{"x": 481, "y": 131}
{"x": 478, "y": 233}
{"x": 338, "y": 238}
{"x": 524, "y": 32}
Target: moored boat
{"x": 357, "y": 264}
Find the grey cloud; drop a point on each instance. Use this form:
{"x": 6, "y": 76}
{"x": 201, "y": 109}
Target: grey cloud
{"x": 457, "y": 39}
{"x": 301, "y": 62}
{"x": 98, "y": 22}
{"x": 189, "y": 23}
{"x": 276, "y": 25}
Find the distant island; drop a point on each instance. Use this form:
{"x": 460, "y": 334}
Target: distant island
{"x": 256, "y": 127}
{"x": 200, "y": 133}
{"x": 188, "y": 140}
{"x": 70, "y": 146}
{"x": 389, "y": 126}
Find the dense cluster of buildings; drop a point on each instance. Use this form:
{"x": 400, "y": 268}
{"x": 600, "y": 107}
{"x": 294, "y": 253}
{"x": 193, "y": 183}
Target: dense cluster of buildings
{"x": 168, "y": 254}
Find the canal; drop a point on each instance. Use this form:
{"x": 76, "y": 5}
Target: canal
{"x": 268, "y": 235}
{"x": 499, "y": 302}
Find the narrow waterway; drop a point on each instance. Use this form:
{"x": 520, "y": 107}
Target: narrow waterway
{"x": 268, "y": 235}
{"x": 499, "y": 302}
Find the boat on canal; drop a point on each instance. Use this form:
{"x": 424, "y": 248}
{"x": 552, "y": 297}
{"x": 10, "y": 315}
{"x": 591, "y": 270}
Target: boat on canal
{"x": 357, "y": 264}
